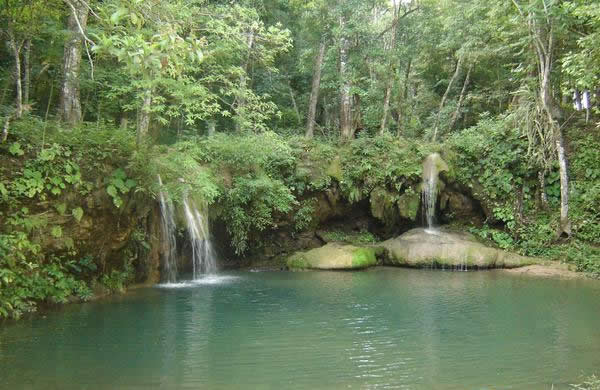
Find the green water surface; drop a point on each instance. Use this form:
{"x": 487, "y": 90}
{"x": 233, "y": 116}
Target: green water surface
{"x": 382, "y": 328}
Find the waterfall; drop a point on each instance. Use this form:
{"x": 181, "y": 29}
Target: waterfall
{"x": 202, "y": 251}
{"x": 168, "y": 242}
{"x": 432, "y": 166}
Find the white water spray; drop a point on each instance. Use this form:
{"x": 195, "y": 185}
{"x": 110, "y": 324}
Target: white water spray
{"x": 168, "y": 242}
{"x": 432, "y": 166}
{"x": 203, "y": 258}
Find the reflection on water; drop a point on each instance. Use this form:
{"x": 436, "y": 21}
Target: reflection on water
{"x": 389, "y": 328}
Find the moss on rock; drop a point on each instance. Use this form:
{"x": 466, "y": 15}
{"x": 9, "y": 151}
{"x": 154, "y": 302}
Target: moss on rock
{"x": 408, "y": 205}
{"x": 333, "y": 256}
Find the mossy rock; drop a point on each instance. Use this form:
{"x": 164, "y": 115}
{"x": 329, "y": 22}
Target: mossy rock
{"x": 408, "y": 205}
{"x": 333, "y": 256}
{"x": 441, "y": 249}
{"x": 383, "y": 205}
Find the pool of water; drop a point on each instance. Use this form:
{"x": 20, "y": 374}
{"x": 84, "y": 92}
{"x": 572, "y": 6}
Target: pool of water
{"x": 383, "y": 328}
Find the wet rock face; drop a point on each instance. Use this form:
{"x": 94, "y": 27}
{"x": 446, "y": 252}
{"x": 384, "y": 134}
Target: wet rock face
{"x": 420, "y": 248}
{"x": 333, "y": 256}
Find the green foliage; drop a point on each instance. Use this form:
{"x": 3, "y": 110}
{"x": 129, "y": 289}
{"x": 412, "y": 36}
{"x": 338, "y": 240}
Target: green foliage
{"x": 118, "y": 185}
{"x": 501, "y": 238}
{"x": 356, "y": 238}
{"x": 591, "y": 383}
{"x": 116, "y": 279}
{"x": 382, "y": 161}
{"x": 27, "y": 277}
{"x": 490, "y": 154}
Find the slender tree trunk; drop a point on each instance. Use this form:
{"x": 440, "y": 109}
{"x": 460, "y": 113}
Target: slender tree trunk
{"x": 314, "y": 92}
{"x": 543, "y": 195}
{"x": 565, "y": 223}
{"x": 26, "y": 71}
{"x": 456, "y": 114}
{"x": 389, "y": 46}
{"x": 144, "y": 120}
{"x": 345, "y": 98}
{"x": 49, "y": 101}
{"x": 294, "y": 102}
{"x": 443, "y": 102}
{"x": 5, "y": 130}
{"x": 70, "y": 104}
{"x": 16, "y": 48}
{"x": 403, "y": 100}
{"x": 327, "y": 113}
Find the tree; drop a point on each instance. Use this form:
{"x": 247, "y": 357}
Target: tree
{"x": 21, "y": 21}
{"x": 70, "y": 104}
{"x": 314, "y": 92}
{"x": 540, "y": 17}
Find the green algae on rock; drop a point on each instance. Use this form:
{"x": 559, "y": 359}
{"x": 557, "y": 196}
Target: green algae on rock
{"x": 333, "y": 256}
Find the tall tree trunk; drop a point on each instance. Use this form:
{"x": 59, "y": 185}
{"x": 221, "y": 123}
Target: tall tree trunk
{"x": 345, "y": 98}
{"x": 445, "y": 97}
{"x": 314, "y": 92}
{"x": 565, "y": 223}
{"x": 70, "y": 104}
{"x": 543, "y": 43}
{"x": 16, "y": 48}
{"x": 456, "y": 114}
{"x": 26, "y": 70}
{"x": 542, "y": 37}
{"x": 389, "y": 46}
{"x": 403, "y": 99}
{"x": 543, "y": 195}
{"x": 144, "y": 120}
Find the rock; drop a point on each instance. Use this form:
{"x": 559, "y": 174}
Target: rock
{"x": 333, "y": 256}
{"x": 418, "y": 248}
{"x": 408, "y": 205}
{"x": 383, "y": 205}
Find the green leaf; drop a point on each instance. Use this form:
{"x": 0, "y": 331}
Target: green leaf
{"x": 61, "y": 208}
{"x": 77, "y": 213}
{"x": 56, "y": 232}
{"x": 15, "y": 149}
{"x": 112, "y": 191}
{"x": 3, "y": 190}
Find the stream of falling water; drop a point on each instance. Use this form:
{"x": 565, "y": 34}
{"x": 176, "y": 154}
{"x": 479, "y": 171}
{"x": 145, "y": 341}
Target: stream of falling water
{"x": 429, "y": 191}
{"x": 203, "y": 256}
{"x": 168, "y": 242}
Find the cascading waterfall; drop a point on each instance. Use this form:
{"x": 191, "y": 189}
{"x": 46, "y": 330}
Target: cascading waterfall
{"x": 168, "y": 243}
{"x": 429, "y": 192}
{"x": 202, "y": 250}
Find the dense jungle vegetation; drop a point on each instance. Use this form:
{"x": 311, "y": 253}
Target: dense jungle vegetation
{"x": 259, "y": 108}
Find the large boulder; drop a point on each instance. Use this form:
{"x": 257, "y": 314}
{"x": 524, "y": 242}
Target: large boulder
{"x": 424, "y": 248}
{"x": 333, "y": 256}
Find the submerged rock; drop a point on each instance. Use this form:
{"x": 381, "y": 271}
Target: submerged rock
{"x": 424, "y": 248}
{"x": 333, "y": 256}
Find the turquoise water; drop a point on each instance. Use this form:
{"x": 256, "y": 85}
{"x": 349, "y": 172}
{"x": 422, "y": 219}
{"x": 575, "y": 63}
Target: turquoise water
{"x": 383, "y": 328}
